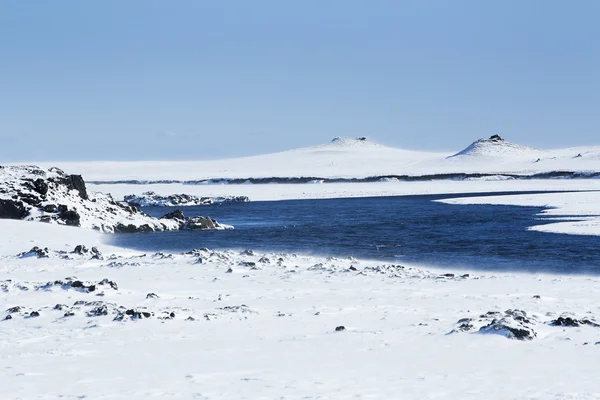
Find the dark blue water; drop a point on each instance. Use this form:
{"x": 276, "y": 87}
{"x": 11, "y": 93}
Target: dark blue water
{"x": 411, "y": 229}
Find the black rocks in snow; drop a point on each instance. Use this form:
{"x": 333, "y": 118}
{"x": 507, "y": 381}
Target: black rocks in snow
{"x": 32, "y": 193}
{"x": 151, "y": 199}
{"x": 76, "y": 182}
{"x": 177, "y": 214}
{"x": 13, "y": 209}
{"x": 514, "y": 325}
{"x": 98, "y": 311}
{"x": 570, "y": 321}
{"x": 138, "y": 314}
{"x": 193, "y": 223}
{"x": 464, "y": 325}
{"x": 83, "y": 250}
{"x": 80, "y": 250}
{"x": 35, "y": 252}
{"x": 69, "y": 217}
{"x": 340, "y": 328}
{"x": 152, "y": 296}
{"x": 52, "y": 196}
{"x": 80, "y": 286}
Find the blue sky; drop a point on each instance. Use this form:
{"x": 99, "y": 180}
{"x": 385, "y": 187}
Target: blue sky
{"x": 118, "y": 80}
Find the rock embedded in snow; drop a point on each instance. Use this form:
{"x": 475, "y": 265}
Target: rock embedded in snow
{"x": 512, "y": 324}
{"x": 194, "y": 223}
{"x": 35, "y": 252}
{"x": 52, "y": 196}
{"x": 568, "y": 320}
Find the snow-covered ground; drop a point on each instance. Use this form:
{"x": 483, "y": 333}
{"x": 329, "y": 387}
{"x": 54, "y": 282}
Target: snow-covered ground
{"x": 340, "y": 190}
{"x": 267, "y": 328}
{"x": 245, "y": 325}
{"x": 351, "y": 158}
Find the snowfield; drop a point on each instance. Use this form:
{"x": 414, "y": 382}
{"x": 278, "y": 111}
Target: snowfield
{"x": 241, "y": 325}
{"x": 80, "y": 318}
{"x": 351, "y": 158}
{"x": 497, "y": 160}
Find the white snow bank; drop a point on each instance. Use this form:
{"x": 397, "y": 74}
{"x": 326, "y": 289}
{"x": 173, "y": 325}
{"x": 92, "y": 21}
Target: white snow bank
{"x": 338, "y": 190}
{"x": 268, "y": 330}
{"x": 19, "y": 236}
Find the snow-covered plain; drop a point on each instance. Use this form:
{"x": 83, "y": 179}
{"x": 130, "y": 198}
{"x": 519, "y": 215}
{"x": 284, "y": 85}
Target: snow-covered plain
{"x": 267, "y": 330}
{"x": 351, "y": 158}
{"x": 274, "y": 192}
{"x": 242, "y": 325}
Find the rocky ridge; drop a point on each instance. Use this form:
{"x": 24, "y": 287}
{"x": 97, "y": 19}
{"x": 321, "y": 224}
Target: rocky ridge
{"x": 152, "y": 199}
{"x": 53, "y": 196}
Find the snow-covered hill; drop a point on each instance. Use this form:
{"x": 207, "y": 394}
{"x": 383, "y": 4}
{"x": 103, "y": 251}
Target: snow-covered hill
{"x": 35, "y": 194}
{"x": 496, "y": 146}
{"x": 351, "y": 159}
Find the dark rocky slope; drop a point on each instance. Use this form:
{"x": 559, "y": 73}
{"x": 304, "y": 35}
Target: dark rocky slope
{"x": 35, "y": 194}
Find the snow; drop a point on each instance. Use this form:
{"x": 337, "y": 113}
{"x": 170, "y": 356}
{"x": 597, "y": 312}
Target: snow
{"x": 250, "y": 325}
{"x": 336, "y": 190}
{"x": 484, "y": 148}
{"x": 270, "y": 332}
{"x": 349, "y": 158}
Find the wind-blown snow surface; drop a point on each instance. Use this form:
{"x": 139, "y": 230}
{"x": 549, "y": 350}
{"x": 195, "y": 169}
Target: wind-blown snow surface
{"x": 267, "y": 328}
{"x": 350, "y": 158}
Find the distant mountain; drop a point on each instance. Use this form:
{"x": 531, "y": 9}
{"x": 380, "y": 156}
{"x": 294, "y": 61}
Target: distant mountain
{"x": 496, "y": 146}
{"x": 347, "y": 159}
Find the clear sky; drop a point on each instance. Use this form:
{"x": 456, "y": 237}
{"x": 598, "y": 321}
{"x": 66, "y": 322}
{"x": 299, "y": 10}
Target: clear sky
{"x": 195, "y": 79}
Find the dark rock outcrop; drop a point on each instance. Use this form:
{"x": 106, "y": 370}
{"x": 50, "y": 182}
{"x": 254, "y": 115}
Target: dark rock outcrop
{"x": 40, "y": 186}
{"x": 193, "y": 223}
{"x": 70, "y": 217}
{"x": 35, "y": 252}
{"x": 512, "y": 324}
{"x": 177, "y": 214}
{"x": 76, "y": 182}
{"x": 12, "y": 209}
{"x": 569, "y": 321}
{"x": 152, "y": 199}
{"x": 32, "y": 193}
